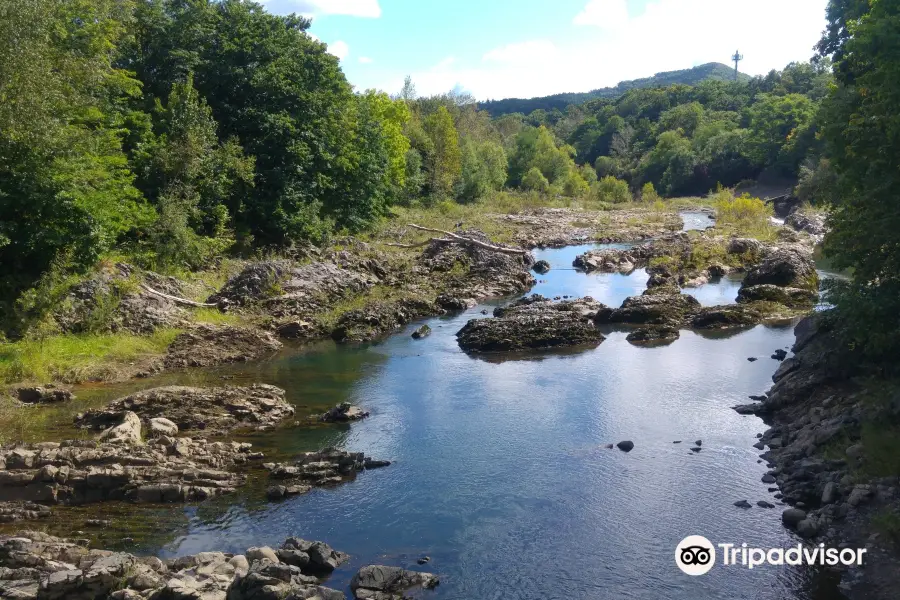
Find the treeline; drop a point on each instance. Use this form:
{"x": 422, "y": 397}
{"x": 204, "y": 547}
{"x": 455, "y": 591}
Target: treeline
{"x": 559, "y": 102}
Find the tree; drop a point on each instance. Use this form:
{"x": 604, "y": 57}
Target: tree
{"x": 535, "y": 181}
{"x": 779, "y": 129}
{"x": 483, "y": 169}
{"x": 861, "y": 129}
{"x": 610, "y": 189}
{"x": 443, "y": 163}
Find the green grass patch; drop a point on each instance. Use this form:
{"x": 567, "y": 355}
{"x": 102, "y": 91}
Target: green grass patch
{"x": 214, "y": 316}
{"x": 887, "y": 523}
{"x": 75, "y": 358}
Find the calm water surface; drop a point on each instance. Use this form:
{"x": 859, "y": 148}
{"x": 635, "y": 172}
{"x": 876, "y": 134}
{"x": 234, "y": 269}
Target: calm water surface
{"x": 500, "y": 470}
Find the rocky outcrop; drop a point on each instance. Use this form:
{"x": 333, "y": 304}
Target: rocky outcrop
{"x": 788, "y": 296}
{"x": 725, "y": 317}
{"x": 44, "y": 395}
{"x": 210, "y": 345}
{"x": 786, "y": 266}
{"x": 378, "y": 318}
{"x": 808, "y": 222}
{"x": 22, "y": 511}
{"x": 541, "y": 267}
{"x": 668, "y": 310}
{"x": 201, "y": 411}
{"x": 653, "y": 335}
{"x": 343, "y": 413}
{"x": 38, "y": 566}
{"x": 378, "y": 582}
{"x": 327, "y": 467}
{"x": 532, "y": 323}
{"x": 79, "y": 472}
{"x": 474, "y": 272}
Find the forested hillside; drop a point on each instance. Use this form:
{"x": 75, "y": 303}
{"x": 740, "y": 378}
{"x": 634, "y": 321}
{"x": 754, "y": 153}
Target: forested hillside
{"x": 692, "y": 76}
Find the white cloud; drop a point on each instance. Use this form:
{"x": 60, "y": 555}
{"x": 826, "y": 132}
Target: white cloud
{"x": 668, "y": 35}
{"x": 523, "y": 53}
{"x": 365, "y": 60}
{"x": 353, "y": 8}
{"x": 339, "y": 49}
{"x": 605, "y": 14}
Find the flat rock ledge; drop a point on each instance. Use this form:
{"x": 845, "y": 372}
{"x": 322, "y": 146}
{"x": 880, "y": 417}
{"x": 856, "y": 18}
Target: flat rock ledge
{"x": 344, "y": 413}
{"x": 210, "y": 345}
{"x": 533, "y": 323}
{"x": 83, "y": 471}
{"x": 11, "y": 512}
{"x": 36, "y": 566}
{"x": 378, "y": 582}
{"x": 203, "y": 411}
{"x": 316, "y": 469}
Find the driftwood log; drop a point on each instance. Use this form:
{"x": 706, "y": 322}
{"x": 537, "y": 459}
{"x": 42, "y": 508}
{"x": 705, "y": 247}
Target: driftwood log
{"x": 176, "y": 299}
{"x": 453, "y": 238}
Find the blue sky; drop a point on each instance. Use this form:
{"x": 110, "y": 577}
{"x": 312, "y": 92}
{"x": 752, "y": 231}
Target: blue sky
{"x": 524, "y": 48}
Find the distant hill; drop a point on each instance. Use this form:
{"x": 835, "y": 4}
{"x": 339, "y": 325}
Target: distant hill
{"x": 715, "y": 71}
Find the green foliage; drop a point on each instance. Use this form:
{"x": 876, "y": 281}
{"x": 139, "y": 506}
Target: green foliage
{"x": 649, "y": 194}
{"x": 746, "y": 214}
{"x": 612, "y": 190}
{"x": 444, "y": 163}
{"x": 483, "y": 169}
{"x": 817, "y": 183}
{"x": 781, "y": 130}
{"x": 535, "y": 181}
{"x": 861, "y": 130}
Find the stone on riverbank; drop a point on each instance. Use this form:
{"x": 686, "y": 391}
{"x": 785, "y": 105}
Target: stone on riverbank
{"x": 202, "y": 411}
{"x": 785, "y": 266}
{"x": 83, "y": 471}
{"x": 327, "y": 467}
{"x": 342, "y": 413}
{"x": 44, "y": 395}
{"x": 378, "y": 318}
{"x": 541, "y": 267}
{"x": 36, "y": 565}
{"x": 378, "y": 582}
{"x": 209, "y": 345}
{"x": 767, "y": 292}
{"x": 421, "y": 332}
{"x": 533, "y": 323}
{"x": 22, "y": 511}
{"x": 653, "y": 335}
{"x": 667, "y": 310}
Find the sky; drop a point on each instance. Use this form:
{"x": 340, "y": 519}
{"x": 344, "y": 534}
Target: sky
{"x": 524, "y": 48}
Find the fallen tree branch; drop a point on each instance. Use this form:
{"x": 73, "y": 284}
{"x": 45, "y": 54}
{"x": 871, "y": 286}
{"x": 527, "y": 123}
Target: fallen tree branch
{"x": 176, "y": 299}
{"x": 458, "y": 239}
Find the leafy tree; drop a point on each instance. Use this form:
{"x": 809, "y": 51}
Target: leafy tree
{"x": 610, "y": 189}
{"x": 483, "y": 169}
{"x": 535, "y": 181}
{"x": 779, "y": 128}
{"x": 648, "y": 193}
{"x": 671, "y": 163}
{"x": 443, "y": 163}
{"x": 861, "y": 128}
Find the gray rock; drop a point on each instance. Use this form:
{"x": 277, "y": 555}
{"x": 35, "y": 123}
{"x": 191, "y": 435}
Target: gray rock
{"x": 422, "y": 332}
{"x": 807, "y": 528}
{"x": 128, "y": 431}
{"x": 829, "y": 493}
{"x": 161, "y": 426}
{"x": 792, "y": 516}
{"x": 742, "y": 504}
{"x": 260, "y": 553}
{"x": 768, "y": 478}
{"x": 44, "y": 395}
{"x": 541, "y": 267}
{"x": 626, "y": 446}
{"x": 378, "y": 582}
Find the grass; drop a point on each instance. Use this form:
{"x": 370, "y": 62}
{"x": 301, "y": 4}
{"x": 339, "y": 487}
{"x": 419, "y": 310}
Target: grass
{"x": 887, "y": 523}
{"x": 213, "y": 316}
{"x": 75, "y": 358}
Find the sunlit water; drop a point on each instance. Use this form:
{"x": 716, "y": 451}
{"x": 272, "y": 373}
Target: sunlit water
{"x": 696, "y": 220}
{"x": 501, "y": 474}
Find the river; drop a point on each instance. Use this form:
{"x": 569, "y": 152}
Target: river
{"x": 500, "y": 472}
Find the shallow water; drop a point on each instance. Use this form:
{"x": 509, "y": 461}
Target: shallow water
{"x": 696, "y": 220}
{"x": 500, "y": 470}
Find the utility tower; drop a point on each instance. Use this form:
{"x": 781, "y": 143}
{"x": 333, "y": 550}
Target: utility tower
{"x": 737, "y": 58}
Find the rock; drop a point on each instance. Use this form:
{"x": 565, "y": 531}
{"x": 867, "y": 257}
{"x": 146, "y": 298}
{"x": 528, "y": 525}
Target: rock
{"x": 764, "y": 504}
{"x": 768, "y": 478}
{"x": 202, "y": 411}
{"x": 752, "y": 359}
{"x": 807, "y": 529}
{"x": 128, "y": 431}
{"x": 423, "y": 560}
{"x": 378, "y": 582}
{"x": 742, "y": 504}
{"x": 748, "y": 409}
{"x": 451, "y": 303}
{"x": 209, "y": 345}
{"x": 653, "y": 335}
{"x": 855, "y": 451}
{"x": 859, "y": 495}
{"x": 670, "y": 310}
{"x": 343, "y": 413}
{"x": 743, "y": 246}
{"x": 261, "y": 553}
{"x": 696, "y": 449}
{"x": 378, "y": 318}
{"x": 790, "y": 266}
{"x": 421, "y": 332}
{"x": 811, "y": 223}
{"x": 626, "y": 446}
{"x": 789, "y": 296}
{"x": 724, "y": 317}
{"x": 779, "y": 355}
{"x": 44, "y": 395}
{"x": 327, "y": 467}
{"x": 530, "y": 324}
{"x": 22, "y": 511}
{"x": 792, "y": 516}
{"x": 829, "y": 493}
{"x": 541, "y": 267}
{"x": 758, "y": 398}
{"x": 296, "y": 330}
{"x": 698, "y": 443}
{"x": 162, "y": 426}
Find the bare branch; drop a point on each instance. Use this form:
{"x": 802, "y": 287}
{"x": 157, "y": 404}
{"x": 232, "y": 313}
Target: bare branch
{"x": 458, "y": 239}
{"x": 176, "y": 299}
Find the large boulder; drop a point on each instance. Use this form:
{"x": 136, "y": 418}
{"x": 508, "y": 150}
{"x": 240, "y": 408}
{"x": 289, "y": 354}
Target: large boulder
{"x": 379, "y": 318}
{"x": 44, "y": 395}
{"x": 789, "y": 266}
{"x": 670, "y": 310}
{"x": 378, "y": 582}
{"x": 789, "y": 296}
{"x": 811, "y": 223}
{"x": 209, "y": 345}
{"x": 330, "y": 466}
{"x": 127, "y": 431}
{"x": 653, "y": 335}
{"x": 725, "y": 317}
{"x": 204, "y": 411}
{"x": 533, "y": 323}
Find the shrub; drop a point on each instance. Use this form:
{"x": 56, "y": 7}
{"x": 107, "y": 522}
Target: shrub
{"x": 745, "y": 212}
{"x": 610, "y": 189}
{"x": 535, "y": 181}
{"x": 649, "y": 194}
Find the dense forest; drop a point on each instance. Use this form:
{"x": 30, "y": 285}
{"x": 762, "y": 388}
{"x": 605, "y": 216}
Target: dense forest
{"x": 174, "y": 131}
{"x": 692, "y": 76}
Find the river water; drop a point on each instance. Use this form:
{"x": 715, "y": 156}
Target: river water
{"x": 501, "y": 474}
